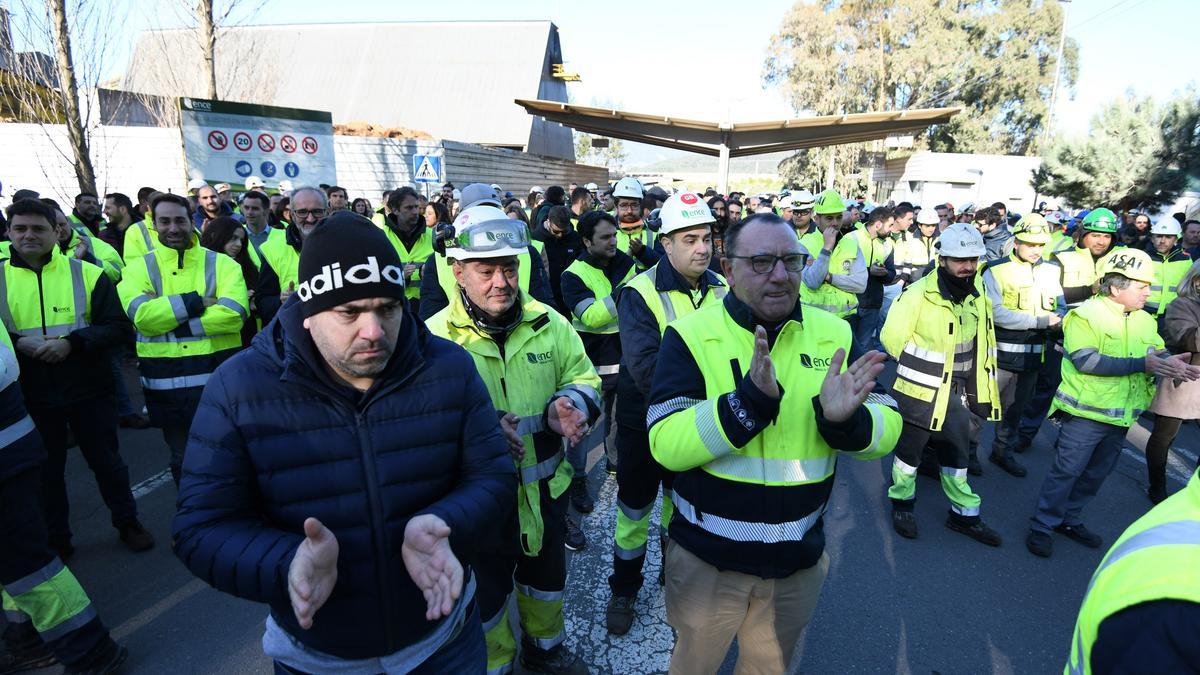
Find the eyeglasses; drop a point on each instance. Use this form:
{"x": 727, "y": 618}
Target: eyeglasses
{"x": 305, "y": 214}
{"x": 628, "y": 206}
{"x": 765, "y": 264}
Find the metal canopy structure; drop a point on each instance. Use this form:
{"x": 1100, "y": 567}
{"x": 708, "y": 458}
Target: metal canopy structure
{"x": 741, "y": 139}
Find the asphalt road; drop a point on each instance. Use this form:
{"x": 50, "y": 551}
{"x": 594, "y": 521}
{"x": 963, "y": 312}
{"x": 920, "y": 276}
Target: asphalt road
{"x": 940, "y": 604}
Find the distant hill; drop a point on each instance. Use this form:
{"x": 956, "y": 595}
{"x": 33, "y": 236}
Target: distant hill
{"x": 693, "y": 163}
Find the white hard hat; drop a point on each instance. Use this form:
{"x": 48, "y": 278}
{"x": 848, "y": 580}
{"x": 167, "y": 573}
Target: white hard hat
{"x": 496, "y": 188}
{"x": 224, "y": 187}
{"x": 254, "y": 183}
{"x": 1054, "y": 217}
{"x": 1168, "y": 226}
{"x": 682, "y": 211}
{"x": 285, "y": 186}
{"x": 629, "y": 187}
{"x": 927, "y": 217}
{"x": 537, "y": 190}
{"x": 590, "y": 187}
{"x": 196, "y": 183}
{"x": 961, "y": 240}
{"x": 801, "y": 199}
{"x": 486, "y": 232}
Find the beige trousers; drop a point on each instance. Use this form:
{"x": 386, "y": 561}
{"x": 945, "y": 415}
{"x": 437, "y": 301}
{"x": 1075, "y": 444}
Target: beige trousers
{"x": 707, "y": 607}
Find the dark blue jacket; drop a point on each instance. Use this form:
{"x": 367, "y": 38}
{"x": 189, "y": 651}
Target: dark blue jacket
{"x": 277, "y": 439}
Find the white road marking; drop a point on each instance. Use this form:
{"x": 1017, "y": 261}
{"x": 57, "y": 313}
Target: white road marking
{"x": 151, "y": 484}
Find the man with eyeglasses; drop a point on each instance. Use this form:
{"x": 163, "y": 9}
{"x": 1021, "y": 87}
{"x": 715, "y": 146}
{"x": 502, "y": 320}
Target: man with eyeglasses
{"x": 281, "y": 255}
{"x": 753, "y": 399}
{"x": 940, "y": 332}
{"x": 633, "y": 237}
{"x": 1028, "y": 304}
{"x": 801, "y": 205}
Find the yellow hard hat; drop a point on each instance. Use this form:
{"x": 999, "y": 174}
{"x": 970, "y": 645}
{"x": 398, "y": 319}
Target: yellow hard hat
{"x": 1130, "y": 262}
{"x": 1032, "y": 229}
{"x": 829, "y": 202}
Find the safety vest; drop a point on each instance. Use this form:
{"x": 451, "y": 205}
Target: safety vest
{"x": 1029, "y": 289}
{"x": 445, "y": 275}
{"x": 1079, "y": 268}
{"x": 417, "y": 255}
{"x": 875, "y": 250}
{"x": 178, "y": 344}
{"x": 639, "y": 232}
{"x": 108, "y": 257}
{"x": 829, "y": 297}
{"x": 1157, "y": 558}
{"x": 52, "y": 302}
{"x": 283, "y": 258}
{"x": 140, "y": 239}
{"x": 933, "y": 338}
{"x": 771, "y": 492}
{"x": 1169, "y": 270}
{"x": 1104, "y": 325}
{"x": 1060, "y": 242}
{"x": 914, "y": 253}
{"x": 597, "y": 314}
{"x": 666, "y": 306}
{"x": 542, "y": 358}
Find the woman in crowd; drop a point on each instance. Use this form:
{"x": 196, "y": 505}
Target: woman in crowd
{"x": 226, "y": 235}
{"x": 436, "y": 213}
{"x": 1174, "y": 403}
{"x": 362, "y": 206}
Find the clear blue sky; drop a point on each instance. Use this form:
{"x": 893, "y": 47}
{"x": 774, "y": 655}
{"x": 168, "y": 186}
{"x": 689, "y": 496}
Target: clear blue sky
{"x": 709, "y": 54}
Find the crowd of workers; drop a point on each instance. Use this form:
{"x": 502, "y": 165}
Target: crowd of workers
{"x": 379, "y": 419}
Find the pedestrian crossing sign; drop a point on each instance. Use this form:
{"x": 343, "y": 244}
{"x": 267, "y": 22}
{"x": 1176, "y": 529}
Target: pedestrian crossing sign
{"x": 427, "y": 169}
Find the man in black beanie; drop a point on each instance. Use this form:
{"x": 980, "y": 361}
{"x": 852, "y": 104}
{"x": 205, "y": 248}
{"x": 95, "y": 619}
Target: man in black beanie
{"x": 341, "y": 470}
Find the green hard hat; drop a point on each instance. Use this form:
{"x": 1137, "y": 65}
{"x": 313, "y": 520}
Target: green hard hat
{"x": 829, "y": 202}
{"x": 1100, "y": 220}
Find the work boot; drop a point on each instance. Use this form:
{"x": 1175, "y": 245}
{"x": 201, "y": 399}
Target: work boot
{"x": 26, "y": 659}
{"x": 556, "y": 660}
{"x": 619, "y": 615}
{"x": 580, "y": 499}
{"x": 905, "y": 523}
{"x": 976, "y": 530}
{"x": 1081, "y": 534}
{"x": 610, "y": 467}
{"x": 575, "y": 540}
{"x": 973, "y": 466}
{"x": 136, "y": 537}
{"x": 1022, "y": 446}
{"x": 1009, "y": 464}
{"x": 1039, "y": 543}
{"x": 1158, "y": 482}
{"x": 105, "y": 658}
{"x": 134, "y": 421}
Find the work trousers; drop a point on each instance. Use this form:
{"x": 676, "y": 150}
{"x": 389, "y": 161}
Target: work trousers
{"x": 1049, "y": 377}
{"x": 1085, "y": 453}
{"x": 707, "y": 607}
{"x": 43, "y": 602}
{"x": 124, "y": 404}
{"x": 950, "y": 446}
{"x": 540, "y": 582}
{"x": 1016, "y": 392}
{"x": 176, "y": 436}
{"x": 94, "y": 423}
{"x": 638, "y": 479}
{"x": 866, "y": 329}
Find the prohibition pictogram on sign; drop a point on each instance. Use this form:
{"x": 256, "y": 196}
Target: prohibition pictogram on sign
{"x": 287, "y": 143}
{"x": 266, "y": 142}
{"x": 309, "y": 144}
{"x": 217, "y": 140}
{"x": 242, "y": 141}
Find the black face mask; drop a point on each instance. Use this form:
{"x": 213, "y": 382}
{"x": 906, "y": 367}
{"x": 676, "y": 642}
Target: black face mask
{"x": 498, "y": 326}
{"x": 955, "y": 288}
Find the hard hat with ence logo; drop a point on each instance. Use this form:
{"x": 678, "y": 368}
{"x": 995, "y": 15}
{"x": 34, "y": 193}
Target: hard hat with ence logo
{"x": 1032, "y": 229}
{"x": 828, "y": 203}
{"x": 629, "y": 187}
{"x": 1167, "y": 226}
{"x": 483, "y": 232}
{"x": 1100, "y": 220}
{"x": 1132, "y": 263}
{"x": 682, "y": 211}
{"x": 961, "y": 240}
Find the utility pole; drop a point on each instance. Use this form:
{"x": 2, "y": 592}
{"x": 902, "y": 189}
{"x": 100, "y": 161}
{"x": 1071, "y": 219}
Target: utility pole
{"x": 1062, "y": 40}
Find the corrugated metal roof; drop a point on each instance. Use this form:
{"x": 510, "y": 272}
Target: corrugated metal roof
{"x": 455, "y": 80}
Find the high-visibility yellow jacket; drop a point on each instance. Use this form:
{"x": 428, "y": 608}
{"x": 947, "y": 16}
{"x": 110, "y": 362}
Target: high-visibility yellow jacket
{"x": 140, "y": 239}
{"x": 754, "y": 473}
{"x": 180, "y": 341}
{"x": 1169, "y": 270}
{"x": 1103, "y": 374}
{"x": 1079, "y": 272}
{"x": 932, "y": 338}
{"x": 846, "y": 271}
{"x": 1023, "y": 296}
{"x": 102, "y": 251}
{"x": 1155, "y": 559}
{"x": 542, "y": 359}
{"x": 591, "y": 293}
{"x": 422, "y": 248}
